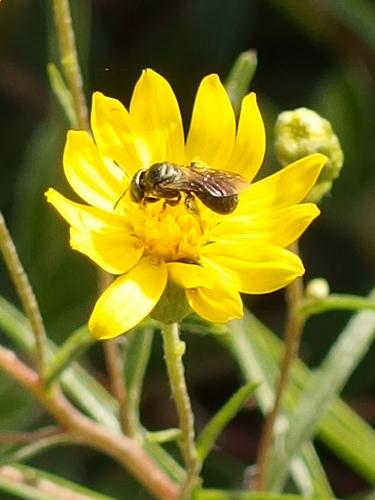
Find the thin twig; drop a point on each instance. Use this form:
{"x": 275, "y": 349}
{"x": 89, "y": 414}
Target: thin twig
{"x": 123, "y": 449}
{"x": 114, "y": 362}
{"x": 69, "y": 60}
{"x": 25, "y": 293}
{"x": 28, "y": 437}
{"x": 292, "y": 334}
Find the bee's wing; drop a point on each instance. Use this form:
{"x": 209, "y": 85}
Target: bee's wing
{"x": 218, "y": 183}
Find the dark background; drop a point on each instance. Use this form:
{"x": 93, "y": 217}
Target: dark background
{"x": 315, "y": 53}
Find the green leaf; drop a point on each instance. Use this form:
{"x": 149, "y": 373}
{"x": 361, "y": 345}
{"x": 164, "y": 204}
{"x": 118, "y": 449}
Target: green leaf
{"x": 88, "y": 394}
{"x": 238, "y": 81}
{"x": 62, "y": 93}
{"x": 257, "y": 362}
{"x": 248, "y": 495}
{"x": 344, "y": 356}
{"x": 76, "y": 343}
{"x": 33, "y": 484}
{"x": 227, "y": 412}
{"x": 341, "y": 429}
{"x": 137, "y": 352}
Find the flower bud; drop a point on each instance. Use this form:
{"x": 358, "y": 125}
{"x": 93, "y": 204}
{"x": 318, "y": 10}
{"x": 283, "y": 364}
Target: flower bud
{"x": 317, "y": 288}
{"x": 302, "y": 132}
{"x": 172, "y": 306}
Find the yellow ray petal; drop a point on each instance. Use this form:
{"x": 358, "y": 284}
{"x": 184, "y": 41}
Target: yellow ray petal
{"x": 260, "y": 268}
{"x": 280, "y": 227}
{"x": 212, "y": 128}
{"x": 88, "y": 175}
{"x": 84, "y": 217}
{"x": 189, "y": 275}
{"x": 110, "y": 123}
{"x": 216, "y": 304}
{"x": 129, "y": 299}
{"x": 250, "y": 144}
{"x": 288, "y": 186}
{"x": 156, "y": 121}
{"x": 115, "y": 252}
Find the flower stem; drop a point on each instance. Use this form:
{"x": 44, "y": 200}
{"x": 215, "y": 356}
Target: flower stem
{"x": 81, "y": 428}
{"x": 292, "y": 334}
{"x": 69, "y": 60}
{"x": 25, "y": 293}
{"x": 174, "y": 349}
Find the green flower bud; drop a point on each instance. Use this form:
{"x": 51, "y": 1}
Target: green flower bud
{"x": 172, "y": 306}
{"x": 301, "y": 132}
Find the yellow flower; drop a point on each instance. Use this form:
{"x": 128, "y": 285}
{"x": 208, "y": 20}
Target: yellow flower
{"x": 212, "y": 257}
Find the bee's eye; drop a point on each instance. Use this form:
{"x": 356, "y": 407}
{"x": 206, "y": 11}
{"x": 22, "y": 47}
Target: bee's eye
{"x": 136, "y": 191}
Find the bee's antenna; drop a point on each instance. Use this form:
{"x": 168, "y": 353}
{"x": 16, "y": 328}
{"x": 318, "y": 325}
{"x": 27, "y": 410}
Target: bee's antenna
{"x": 121, "y": 197}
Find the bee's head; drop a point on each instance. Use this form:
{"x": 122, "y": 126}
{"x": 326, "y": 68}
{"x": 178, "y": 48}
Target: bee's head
{"x": 137, "y": 186}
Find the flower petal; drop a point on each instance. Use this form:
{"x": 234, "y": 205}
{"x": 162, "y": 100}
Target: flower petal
{"x": 280, "y": 227}
{"x": 260, "y": 268}
{"x": 110, "y": 123}
{"x": 129, "y": 299}
{"x": 288, "y": 186}
{"x": 188, "y": 275}
{"x": 88, "y": 175}
{"x": 84, "y": 217}
{"x": 115, "y": 252}
{"x": 156, "y": 121}
{"x": 217, "y": 304}
{"x": 213, "y": 126}
{"x": 250, "y": 144}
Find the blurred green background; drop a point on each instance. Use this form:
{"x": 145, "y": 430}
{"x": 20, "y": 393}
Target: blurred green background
{"x": 315, "y": 53}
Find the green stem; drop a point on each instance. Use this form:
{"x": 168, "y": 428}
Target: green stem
{"x": 69, "y": 60}
{"x": 25, "y": 293}
{"x": 309, "y": 306}
{"x": 174, "y": 349}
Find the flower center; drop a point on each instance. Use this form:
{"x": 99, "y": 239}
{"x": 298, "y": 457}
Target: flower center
{"x": 173, "y": 233}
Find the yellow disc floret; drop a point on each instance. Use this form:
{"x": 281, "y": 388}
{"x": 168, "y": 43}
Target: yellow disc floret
{"x": 172, "y": 233}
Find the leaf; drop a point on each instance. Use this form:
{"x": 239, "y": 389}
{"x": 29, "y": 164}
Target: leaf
{"x": 206, "y": 439}
{"x": 88, "y": 394}
{"x": 30, "y": 483}
{"x": 344, "y": 356}
{"x": 248, "y": 495}
{"x": 75, "y": 344}
{"x": 257, "y": 362}
{"x": 238, "y": 81}
{"x": 341, "y": 429}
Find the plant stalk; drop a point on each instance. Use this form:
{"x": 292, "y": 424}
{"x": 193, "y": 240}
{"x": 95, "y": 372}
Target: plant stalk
{"x": 123, "y": 449}
{"x": 174, "y": 349}
{"x": 69, "y": 60}
{"x": 25, "y": 293}
{"x": 292, "y": 335}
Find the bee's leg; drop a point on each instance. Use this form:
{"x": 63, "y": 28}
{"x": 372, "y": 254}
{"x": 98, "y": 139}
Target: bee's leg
{"x": 173, "y": 201}
{"x": 191, "y": 204}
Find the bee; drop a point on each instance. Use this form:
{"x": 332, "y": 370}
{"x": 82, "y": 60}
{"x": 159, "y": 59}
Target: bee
{"x": 217, "y": 189}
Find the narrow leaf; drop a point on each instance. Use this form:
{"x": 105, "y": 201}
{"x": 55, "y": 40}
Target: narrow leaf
{"x": 248, "y": 495}
{"x": 62, "y": 93}
{"x": 33, "y": 484}
{"x": 257, "y": 362}
{"x": 342, "y": 359}
{"x": 239, "y": 78}
{"x": 72, "y": 348}
{"x": 227, "y": 412}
